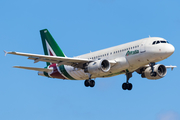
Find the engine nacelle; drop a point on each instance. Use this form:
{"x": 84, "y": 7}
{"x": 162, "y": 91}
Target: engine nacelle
{"x": 159, "y": 69}
{"x": 98, "y": 66}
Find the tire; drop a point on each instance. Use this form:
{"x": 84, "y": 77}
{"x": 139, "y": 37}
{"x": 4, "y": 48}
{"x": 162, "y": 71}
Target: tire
{"x": 92, "y": 83}
{"x": 124, "y": 86}
{"x": 86, "y": 83}
{"x": 129, "y": 86}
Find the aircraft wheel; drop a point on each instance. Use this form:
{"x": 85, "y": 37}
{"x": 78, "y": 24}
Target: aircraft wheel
{"x": 124, "y": 86}
{"x": 87, "y": 83}
{"x": 129, "y": 86}
{"x": 92, "y": 83}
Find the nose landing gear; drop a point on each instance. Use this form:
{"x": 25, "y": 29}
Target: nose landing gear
{"x": 152, "y": 68}
{"x": 127, "y": 86}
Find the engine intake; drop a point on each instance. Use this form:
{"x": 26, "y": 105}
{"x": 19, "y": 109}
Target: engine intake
{"x": 98, "y": 66}
{"x": 160, "y": 70}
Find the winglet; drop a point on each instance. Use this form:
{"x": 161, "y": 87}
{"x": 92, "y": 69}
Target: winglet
{"x": 5, "y": 53}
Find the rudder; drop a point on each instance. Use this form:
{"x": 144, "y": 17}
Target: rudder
{"x": 50, "y": 46}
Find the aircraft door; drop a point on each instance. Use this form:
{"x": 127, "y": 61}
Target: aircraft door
{"x": 142, "y": 55}
{"x": 143, "y": 46}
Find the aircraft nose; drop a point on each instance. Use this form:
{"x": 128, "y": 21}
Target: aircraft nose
{"x": 170, "y": 49}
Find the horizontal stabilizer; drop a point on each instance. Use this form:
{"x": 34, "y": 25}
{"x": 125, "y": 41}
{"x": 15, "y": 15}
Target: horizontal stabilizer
{"x": 33, "y": 68}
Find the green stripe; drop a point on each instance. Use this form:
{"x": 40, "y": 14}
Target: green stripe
{"x": 45, "y": 35}
{"x": 46, "y": 74}
{"x": 64, "y": 72}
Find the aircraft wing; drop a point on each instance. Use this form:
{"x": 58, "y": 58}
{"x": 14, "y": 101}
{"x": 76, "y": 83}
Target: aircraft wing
{"x": 76, "y": 62}
{"x": 172, "y": 67}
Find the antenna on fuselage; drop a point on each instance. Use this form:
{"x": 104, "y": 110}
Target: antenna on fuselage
{"x": 149, "y": 36}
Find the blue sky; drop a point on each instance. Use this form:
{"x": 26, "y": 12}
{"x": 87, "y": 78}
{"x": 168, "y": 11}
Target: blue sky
{"x": 81, "y": 26}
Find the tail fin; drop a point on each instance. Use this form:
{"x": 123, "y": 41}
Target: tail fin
{"x": 49, "y": 44}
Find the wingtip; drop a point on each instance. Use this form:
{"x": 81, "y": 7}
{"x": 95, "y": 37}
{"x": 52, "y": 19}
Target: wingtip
{"x": 5, "y": 53}
{"x": 16, "y": 66}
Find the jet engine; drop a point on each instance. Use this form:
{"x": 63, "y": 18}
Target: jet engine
{"x": 98, "y": 66}
{"x": 160, "y": 72}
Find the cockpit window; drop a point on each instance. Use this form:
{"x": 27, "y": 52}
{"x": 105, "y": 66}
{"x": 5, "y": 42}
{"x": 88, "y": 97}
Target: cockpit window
{"x": 163, "y": 41}
{"x": 154, "y": 42}
{"x": 158, "y": 42}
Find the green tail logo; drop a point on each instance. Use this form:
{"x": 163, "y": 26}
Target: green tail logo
{"x": 50, "y": 46}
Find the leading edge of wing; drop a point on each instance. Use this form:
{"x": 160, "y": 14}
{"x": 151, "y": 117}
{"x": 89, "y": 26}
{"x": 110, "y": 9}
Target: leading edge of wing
{"x": 172, "y": 67}
{"x": 55, "y": 59}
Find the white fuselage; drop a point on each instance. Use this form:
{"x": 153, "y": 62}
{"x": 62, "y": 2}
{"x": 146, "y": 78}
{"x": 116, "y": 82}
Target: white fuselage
{"x": 126, "y": 57}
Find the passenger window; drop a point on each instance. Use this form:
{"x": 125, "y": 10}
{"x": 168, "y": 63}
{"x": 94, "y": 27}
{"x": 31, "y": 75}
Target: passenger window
{"x": 158, "y": 42}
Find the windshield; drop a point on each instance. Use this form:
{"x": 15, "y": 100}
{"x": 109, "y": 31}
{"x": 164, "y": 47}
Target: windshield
{"x": 163, "y": 41}
{"x": 158, "y": 42}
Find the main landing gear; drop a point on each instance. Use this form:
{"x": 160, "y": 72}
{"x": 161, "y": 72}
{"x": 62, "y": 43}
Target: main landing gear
{"x": 89, "y": 82}
{"x": 127, "y": 85}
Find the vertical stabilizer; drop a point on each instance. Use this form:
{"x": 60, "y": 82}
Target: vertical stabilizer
{"x": 50, "y": 46}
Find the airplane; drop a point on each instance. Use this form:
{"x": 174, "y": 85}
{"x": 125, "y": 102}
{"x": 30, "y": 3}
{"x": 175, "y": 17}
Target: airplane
{"x": 138, "y": 56}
